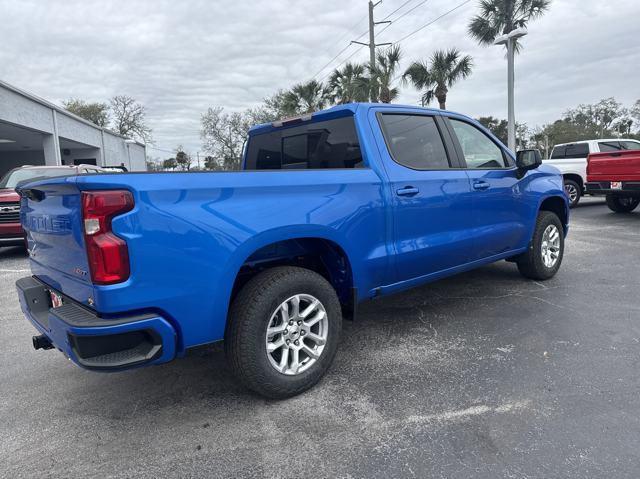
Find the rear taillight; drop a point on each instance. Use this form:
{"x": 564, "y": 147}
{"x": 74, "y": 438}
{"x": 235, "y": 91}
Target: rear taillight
{"x": 107, "y": 253}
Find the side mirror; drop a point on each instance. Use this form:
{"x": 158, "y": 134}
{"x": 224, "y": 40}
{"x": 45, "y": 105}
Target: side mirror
{"x": 528, "y": 159}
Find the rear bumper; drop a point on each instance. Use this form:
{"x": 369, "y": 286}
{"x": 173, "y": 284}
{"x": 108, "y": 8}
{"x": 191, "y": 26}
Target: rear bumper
{"x": 93, "y": 342}
{"x": 629, "y": 188}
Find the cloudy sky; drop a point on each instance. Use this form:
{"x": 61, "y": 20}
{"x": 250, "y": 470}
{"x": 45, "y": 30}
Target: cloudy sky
{"x": 180, "y": 57}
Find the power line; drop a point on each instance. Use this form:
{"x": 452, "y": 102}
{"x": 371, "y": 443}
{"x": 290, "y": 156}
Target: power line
{"x": 432, "y": 22}
{"x": 345, "y": 48}
{"x": 387, "y": 17}
{"x": 364, "y": 33}
{"x": 336, "y": 56}
{"x": 343, "y": 61}
{"x": 347, "y": 32}
{"x": 410, "y": 10}
{"x": 160, "y": 149}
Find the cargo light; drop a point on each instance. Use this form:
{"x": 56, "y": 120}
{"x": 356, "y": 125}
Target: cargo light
{"x": 107, "y": 253}
{"x": 291, "y": 120}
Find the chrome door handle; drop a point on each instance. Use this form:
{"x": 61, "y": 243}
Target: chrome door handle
{"x": 480, "y": 185}
{"x": 407, "y": 191}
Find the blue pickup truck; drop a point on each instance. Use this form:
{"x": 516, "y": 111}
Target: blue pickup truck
{"x": 331, "y": 209}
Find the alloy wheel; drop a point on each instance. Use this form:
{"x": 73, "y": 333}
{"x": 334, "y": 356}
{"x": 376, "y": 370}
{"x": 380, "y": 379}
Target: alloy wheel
{"x": 296, "y": 334}
{"x": 550, "y": 248}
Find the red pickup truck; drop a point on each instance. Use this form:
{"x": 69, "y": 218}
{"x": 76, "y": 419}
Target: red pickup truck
{"x": 615, "y": 174}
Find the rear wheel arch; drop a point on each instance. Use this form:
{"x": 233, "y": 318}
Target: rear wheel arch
{"x": 319, "y": 254}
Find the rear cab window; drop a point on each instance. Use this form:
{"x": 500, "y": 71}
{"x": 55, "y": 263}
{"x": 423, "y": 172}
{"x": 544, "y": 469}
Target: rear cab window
{"x": 630, "y": 145}
{"x": 609, "y": 146}
{"x": 328, "y": 144}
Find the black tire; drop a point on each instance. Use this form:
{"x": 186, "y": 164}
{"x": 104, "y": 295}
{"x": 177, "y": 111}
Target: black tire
{"x": 531, "y": 264}
{"x": 249, "y": 316}
{"x": 573, "y": 191}
{"x": 622, "y": 204}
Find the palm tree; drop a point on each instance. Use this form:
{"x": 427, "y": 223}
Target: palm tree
{"x": 382, "y": 75}
{"x": 346, "y": 84}
{"x": 306, "y": 97}
{"x": 447, "y": 67}
{"x": 498, "y": 17}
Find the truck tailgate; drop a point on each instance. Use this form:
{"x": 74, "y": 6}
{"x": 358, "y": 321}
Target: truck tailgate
{"x": 51, "y": 216}
{"x": 614, "y": 166}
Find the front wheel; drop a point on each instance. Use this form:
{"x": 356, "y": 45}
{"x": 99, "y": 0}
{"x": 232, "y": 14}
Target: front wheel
{"x": 573, "y": 191}
{"x": 283, "y": 331}
{"x": 622, "y": 204}
{"x": 544, "y": 256}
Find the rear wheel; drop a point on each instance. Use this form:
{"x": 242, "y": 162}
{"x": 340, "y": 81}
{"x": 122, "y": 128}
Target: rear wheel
{"x": 622, "y": 204}
{"x": 573, "y": 191}
{"x": 283, "y": 331}
{"x": 544, "y": 256}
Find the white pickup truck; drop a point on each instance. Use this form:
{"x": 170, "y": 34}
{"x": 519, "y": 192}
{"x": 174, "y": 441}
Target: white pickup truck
{"x": 571, "y": 160}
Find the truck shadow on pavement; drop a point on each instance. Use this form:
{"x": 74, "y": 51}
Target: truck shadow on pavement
{"x": 424, "y": 327}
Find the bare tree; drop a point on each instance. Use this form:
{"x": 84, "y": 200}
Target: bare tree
{"x": 129, "y": 118}
{"x": 97, "y": 113}
{"x": 223, "y": 135}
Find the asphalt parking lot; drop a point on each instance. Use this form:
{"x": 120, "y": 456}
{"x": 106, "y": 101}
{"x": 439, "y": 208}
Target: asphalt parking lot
{"x": 485, "y": 374}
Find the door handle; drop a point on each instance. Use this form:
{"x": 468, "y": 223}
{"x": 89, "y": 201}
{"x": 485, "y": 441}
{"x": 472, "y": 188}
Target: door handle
{"x": 407, "y": 191}
{"x": 480, "y": 185}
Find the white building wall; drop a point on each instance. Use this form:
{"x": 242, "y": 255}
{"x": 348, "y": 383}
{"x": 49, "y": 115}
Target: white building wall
{"x": 23, "y": 109}
{"x": 138, "y": 154}
{"x": 75, "y": 130}
{"x": 20, "y": 110}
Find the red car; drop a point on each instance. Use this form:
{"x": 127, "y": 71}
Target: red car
{"x": 11, "y": 233}
{"x": 616, "y": 175}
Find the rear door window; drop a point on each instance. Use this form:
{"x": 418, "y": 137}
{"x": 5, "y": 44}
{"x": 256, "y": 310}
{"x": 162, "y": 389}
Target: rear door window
{"x": 559, "y": 152}
{"x": 330, "y": 144}
{"x": 414, "y": 141}
{"x": 577, "y": 150}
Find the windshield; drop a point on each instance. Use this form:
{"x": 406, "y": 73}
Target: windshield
{"x": 11, "y": 179}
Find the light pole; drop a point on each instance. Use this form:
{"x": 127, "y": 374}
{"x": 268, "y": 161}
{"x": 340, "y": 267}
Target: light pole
{"x": 508, "y": 39}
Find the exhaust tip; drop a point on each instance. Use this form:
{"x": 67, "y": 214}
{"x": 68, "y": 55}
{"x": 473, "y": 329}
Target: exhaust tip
{"x": 41, "y": 342}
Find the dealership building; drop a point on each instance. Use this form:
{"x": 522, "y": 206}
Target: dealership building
{"x": 34, "y": 131}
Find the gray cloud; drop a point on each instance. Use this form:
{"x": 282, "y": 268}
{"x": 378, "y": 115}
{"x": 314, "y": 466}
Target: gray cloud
{"x": 178, "y": 58}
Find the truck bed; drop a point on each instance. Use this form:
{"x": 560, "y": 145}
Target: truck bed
{"x": 614, "y": 173}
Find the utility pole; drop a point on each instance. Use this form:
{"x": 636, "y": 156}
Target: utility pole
{"x": 372, "y": 43}
{"x": 372, "y": 35}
